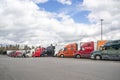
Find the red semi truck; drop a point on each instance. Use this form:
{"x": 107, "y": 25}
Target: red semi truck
{"x": 38, "y": 52}
{"x": 85, "y": 50}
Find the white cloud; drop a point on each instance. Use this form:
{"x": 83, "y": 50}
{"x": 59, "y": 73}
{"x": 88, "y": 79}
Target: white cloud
{"x": 40, "y": 1}
{"x": 22, "y": 21}
{"x": 68, "y": 2}
{"x": 106, "y": 9}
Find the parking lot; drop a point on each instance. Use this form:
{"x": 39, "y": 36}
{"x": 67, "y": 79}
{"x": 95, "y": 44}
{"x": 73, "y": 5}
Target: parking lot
{"x": 53, "y": 68}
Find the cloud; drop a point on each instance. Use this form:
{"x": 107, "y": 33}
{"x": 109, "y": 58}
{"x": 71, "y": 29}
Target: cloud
{"x": 22, "y": 21}
{"x": 40, "y": 1}
{"x": 25, "y": 22}
{"x": 106, "y": 9}
{"x": 67, "y": 2}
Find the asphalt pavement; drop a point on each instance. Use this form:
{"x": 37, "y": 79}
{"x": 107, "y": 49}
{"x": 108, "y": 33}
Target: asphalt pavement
{"x": 53, "y": 68}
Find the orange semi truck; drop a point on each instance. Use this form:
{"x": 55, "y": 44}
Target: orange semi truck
{"x": 84, "y": 50}
{"x": 100, "y": 43}
{"x": 68, "y": 50}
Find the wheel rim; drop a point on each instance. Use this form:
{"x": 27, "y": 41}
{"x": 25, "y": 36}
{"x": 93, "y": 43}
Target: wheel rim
{"x": 62, "y": 56}
{"x": 98, "y": 57}
{"x": 78, "y": 56}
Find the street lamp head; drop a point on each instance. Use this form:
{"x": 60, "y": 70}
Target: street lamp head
{"x": 101, "y": 19}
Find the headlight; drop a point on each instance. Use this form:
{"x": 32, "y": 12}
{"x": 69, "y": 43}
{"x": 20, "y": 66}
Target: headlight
{"x": 92, "y": 56}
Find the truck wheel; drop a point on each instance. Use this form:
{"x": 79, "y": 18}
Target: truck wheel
{"x": 78, "y": 56}
{"x": 62, "y": 56}
{"x": 27, "y": 56}
{"x": 42, "y": 55}
{"x": 97, "y": 57}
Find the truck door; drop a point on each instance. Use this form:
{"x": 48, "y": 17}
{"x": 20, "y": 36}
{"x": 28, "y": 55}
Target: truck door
{"x": 65, "y": 52}
{"x": 68, "y": 52}
{"x": 104, "y": 53}
{"x": 113, "y": 53}
{"x": 71, "y": 52}
{"x": 86, "y": 50}
{"x": 82, "y": 52}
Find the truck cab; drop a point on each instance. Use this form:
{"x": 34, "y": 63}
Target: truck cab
{"x": 49, "y": 51}
{"x": 85, "y": 50}
{"x": 68, "y": 50}
{"x": 111, "y": 50}
{"x": 38, "y": 52}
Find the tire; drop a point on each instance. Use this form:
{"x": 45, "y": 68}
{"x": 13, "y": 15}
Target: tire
{"x": 42, "y": 55}
{"x": 62, "y": 56}
{"x": 98, "y": 57}
{"x": 26, "y": 56}
{"x": 77, "y": 56}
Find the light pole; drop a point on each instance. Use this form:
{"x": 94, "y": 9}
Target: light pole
{"x": 101, "y": 29}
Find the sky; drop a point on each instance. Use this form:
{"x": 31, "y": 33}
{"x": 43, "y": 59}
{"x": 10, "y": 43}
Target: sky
{"x": 42, "y": 22}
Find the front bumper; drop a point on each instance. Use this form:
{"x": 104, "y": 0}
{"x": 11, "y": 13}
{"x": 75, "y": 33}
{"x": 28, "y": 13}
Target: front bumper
{"x": 92, "y": 57}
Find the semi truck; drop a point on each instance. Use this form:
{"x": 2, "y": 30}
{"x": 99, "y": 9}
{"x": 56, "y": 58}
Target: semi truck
{"x": 82, "y": 49}
{"x": 68, "y": 50}
{"x": 29, "y": 53}
{"x": 110, "y": 50}
{"x": 49, "y": 51}
{"x": 85, "y": 50}
{"x": 38, "y": 52}
{"x": 100, "y": 43}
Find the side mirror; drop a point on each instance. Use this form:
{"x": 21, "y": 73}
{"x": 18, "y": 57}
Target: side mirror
{"x": 64, "y": 49}
{"x": 82, "y": 49}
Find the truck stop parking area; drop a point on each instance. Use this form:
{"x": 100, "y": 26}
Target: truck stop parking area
{"x": 54, "y": 68}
